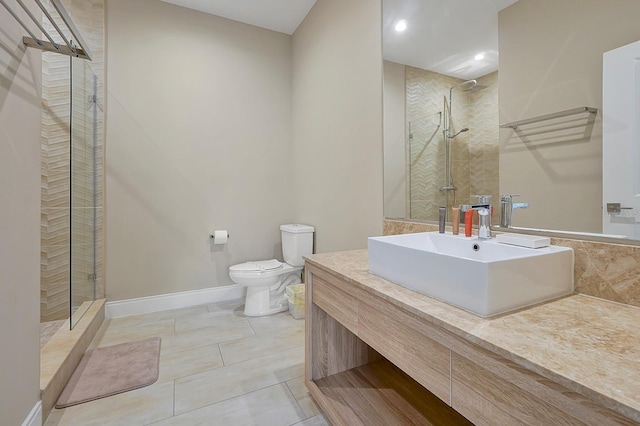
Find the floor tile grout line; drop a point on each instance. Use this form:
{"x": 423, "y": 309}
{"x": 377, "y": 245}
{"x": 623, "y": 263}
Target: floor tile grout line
{"x": 233, "y": 397}
{"x": 277, "y": 330}
{"x": 274, "y": 332}
{"x": 282, "y": 349}
{"x": 297, "y": 401}
{"x": 247, "y": 360}
{"x": 222, "y": 323}
{"x": 252, "y": 329}
{"x": 209, "y": 344}
{"x": 149, "y": 316}
{"x": 269, "y": 354}
{"x": 221, "y": 356}
{"x": 190, "y": 349}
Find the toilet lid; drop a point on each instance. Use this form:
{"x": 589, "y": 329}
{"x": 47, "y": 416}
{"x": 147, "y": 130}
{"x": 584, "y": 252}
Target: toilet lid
{"x": 258, "y": 266}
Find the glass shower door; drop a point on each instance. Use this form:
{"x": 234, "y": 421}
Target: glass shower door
{"x": 85, "y": 193}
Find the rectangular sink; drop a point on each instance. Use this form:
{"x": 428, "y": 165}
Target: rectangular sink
{"x": 484, "y": 277}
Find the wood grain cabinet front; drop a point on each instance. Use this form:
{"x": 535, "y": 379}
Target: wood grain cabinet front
{"x": 337, "y": 303}
{"x": 488, "y": 390}
{"x": 397, "y": 337}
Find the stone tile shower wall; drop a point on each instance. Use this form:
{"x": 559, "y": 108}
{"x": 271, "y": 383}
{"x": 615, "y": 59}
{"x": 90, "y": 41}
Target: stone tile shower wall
{"x": 88, "y": 16}
{"x": 472, "y": 152}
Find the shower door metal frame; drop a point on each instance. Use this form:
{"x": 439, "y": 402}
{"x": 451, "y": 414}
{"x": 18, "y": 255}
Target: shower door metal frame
{"x": 92, "y": 275}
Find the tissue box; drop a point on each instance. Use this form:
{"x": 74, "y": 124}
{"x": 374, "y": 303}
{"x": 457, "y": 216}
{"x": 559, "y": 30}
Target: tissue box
{"x": 524, "y": 240}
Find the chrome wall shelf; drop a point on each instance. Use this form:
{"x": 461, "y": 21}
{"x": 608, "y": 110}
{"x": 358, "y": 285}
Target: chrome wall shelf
{"x": 514, "y": 124}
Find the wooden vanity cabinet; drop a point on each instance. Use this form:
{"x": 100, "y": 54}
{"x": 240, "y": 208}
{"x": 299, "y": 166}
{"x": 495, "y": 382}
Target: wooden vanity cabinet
{"x": 366, "y": 364}
{"x": 490, "y": 390}
{"x": 369, "y": 362}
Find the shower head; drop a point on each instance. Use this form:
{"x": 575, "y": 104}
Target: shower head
{"x": 466, "y": 129}
{"x": 475, "y": 88}
{"x": 470, "y": 83}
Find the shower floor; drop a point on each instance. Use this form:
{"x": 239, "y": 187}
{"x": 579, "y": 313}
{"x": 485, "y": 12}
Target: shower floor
{"x": 48, "y": 329}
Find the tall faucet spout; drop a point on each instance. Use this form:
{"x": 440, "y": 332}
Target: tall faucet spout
{"x": 507, "y": 206}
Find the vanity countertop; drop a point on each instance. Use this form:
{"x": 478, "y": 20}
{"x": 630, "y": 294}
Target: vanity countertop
{"x": 589, "y": 345}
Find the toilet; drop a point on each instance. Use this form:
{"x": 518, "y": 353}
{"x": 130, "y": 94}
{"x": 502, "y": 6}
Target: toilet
{"x": 266, "y": 279}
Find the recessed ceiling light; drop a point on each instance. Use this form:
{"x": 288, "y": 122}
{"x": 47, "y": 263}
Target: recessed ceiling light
{"x": 401, "y": 25}
{"x": 479, "y": 57}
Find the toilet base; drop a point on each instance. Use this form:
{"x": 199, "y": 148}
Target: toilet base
{"x": 258, "y": 303}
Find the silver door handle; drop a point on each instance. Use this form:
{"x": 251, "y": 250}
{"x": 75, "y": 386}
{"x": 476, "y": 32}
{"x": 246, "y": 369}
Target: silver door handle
{"x": 616, "y": 208}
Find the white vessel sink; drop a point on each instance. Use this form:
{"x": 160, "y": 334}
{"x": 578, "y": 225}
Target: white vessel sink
{"x": 484, "y": 277}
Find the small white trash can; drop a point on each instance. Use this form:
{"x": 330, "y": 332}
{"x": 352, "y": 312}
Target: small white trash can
{"x": 295, "y": 296}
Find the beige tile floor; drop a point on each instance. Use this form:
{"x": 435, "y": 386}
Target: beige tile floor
{"x": 217, "y": 367}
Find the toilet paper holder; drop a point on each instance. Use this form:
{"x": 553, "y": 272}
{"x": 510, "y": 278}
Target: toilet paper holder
{"x": 213, "y": 237}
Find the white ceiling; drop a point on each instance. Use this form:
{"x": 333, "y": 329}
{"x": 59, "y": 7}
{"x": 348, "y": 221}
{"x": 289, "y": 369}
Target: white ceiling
{"x": 441, "y": 36}
{"x": 444, "y": 36}
{"x": 278, "y": 15}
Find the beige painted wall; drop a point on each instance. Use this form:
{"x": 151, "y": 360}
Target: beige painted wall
{"x": 198, "y": 138}
{"x": 551, "y": 60}
{"x": 20, "y": 99}
{"x": 337, "y": 122}
{"x": 394, "y": 140}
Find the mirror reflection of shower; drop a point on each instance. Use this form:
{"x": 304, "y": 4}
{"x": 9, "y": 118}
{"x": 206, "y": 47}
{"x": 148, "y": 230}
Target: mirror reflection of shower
{"x": 449, "y": 187}
{"x": 472, "y": 158}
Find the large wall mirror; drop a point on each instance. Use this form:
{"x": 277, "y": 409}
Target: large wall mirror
{"x": 496, "y": 97}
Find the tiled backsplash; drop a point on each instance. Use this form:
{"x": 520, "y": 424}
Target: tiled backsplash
{"x": 605, "y": 270}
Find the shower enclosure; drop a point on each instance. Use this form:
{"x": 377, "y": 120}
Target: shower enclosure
{"x": 85, "y": 190}
{"x": 452, "y": 143}
{"x": 72, "y": 134}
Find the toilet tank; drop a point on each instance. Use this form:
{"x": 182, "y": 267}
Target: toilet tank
{"x": 297, "y": 241}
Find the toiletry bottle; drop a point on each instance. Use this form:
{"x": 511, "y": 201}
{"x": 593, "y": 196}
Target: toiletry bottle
{"x": 468, "y": 218}
{"x": 455, "y": 220}
{"x": 442, "y": 215}
{"x": 468, "y": 222}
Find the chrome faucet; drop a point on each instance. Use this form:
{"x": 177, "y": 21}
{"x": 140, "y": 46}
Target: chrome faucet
{"x": 484, "y": 216}
{"x": 507, "y": 206}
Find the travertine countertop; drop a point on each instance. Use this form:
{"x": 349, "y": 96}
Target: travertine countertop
{"x": 589, "y": 345}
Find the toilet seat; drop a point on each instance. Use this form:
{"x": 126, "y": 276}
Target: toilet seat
{"x": 259, "y": 272}
{"x": 259, "y": 266}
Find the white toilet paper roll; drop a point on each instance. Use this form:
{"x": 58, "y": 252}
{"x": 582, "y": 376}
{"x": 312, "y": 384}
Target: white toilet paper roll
{"x": 220, "y": 236}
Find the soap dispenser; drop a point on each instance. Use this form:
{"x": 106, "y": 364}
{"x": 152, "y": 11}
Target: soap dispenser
{"x": 485, "y": 211}
{"x": 484, "y": 232}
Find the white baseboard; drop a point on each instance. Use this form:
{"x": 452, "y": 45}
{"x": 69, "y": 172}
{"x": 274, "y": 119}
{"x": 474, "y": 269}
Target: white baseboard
{"x": 35, "y": 416}
{"x": 144, "y": 305}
